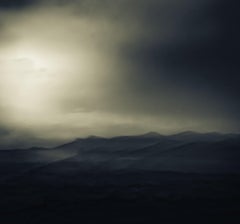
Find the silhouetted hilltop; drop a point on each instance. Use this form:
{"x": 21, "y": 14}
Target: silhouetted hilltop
{"x": 183, "y": 152}
{"x": 154, "y": 170}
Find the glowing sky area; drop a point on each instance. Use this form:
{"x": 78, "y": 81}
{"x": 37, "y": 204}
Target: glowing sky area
{"x": 50, "y": 75}
{"x": 78, "y": 68}
{"x": 26, "y": 75}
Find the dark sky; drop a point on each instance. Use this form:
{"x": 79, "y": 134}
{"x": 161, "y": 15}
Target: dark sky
{"x": 118, "y": 67}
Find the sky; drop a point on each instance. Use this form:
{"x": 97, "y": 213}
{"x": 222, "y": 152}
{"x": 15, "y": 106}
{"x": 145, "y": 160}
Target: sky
{"x": 75, "y": 68}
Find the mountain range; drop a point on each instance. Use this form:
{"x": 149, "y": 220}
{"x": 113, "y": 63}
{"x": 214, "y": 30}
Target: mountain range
{"x": 187, "y": 152}
{"x": 151, "y": 178}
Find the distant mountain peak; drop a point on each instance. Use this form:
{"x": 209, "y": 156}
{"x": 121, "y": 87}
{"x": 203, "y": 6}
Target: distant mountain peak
{"x": 188, "y": 133}
{"x": 152, "y": 134}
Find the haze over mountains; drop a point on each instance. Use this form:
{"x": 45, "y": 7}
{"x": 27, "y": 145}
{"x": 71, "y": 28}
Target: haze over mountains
{"x": 127, "y": 179}
{"x": 188, "y": 152}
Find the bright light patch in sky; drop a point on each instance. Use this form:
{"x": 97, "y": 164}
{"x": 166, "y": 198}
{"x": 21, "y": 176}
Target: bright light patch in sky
{"x": 116, "y": 67}
{"x": 28, "y": 75}
{"x": 49, "y": 67}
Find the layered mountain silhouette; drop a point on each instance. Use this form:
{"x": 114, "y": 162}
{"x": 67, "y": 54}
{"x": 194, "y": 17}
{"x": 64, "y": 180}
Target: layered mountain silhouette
{"x": 125, "y": 179}
{"x": 188, "y": 152}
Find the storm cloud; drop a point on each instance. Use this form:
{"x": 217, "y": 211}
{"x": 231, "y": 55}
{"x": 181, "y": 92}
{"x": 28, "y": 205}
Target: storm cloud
{"x": 76, "y": 68}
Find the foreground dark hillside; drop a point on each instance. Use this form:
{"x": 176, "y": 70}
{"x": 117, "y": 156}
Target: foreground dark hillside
{"x": 184, "y": 178}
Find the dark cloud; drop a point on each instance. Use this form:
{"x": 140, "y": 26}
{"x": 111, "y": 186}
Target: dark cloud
{"x": 208, "y": 39}
{"x": 199, "y": 54}
{"x": 16, "y": 4}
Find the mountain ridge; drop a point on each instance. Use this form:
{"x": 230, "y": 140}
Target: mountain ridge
{"x": 191, "y": 136}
